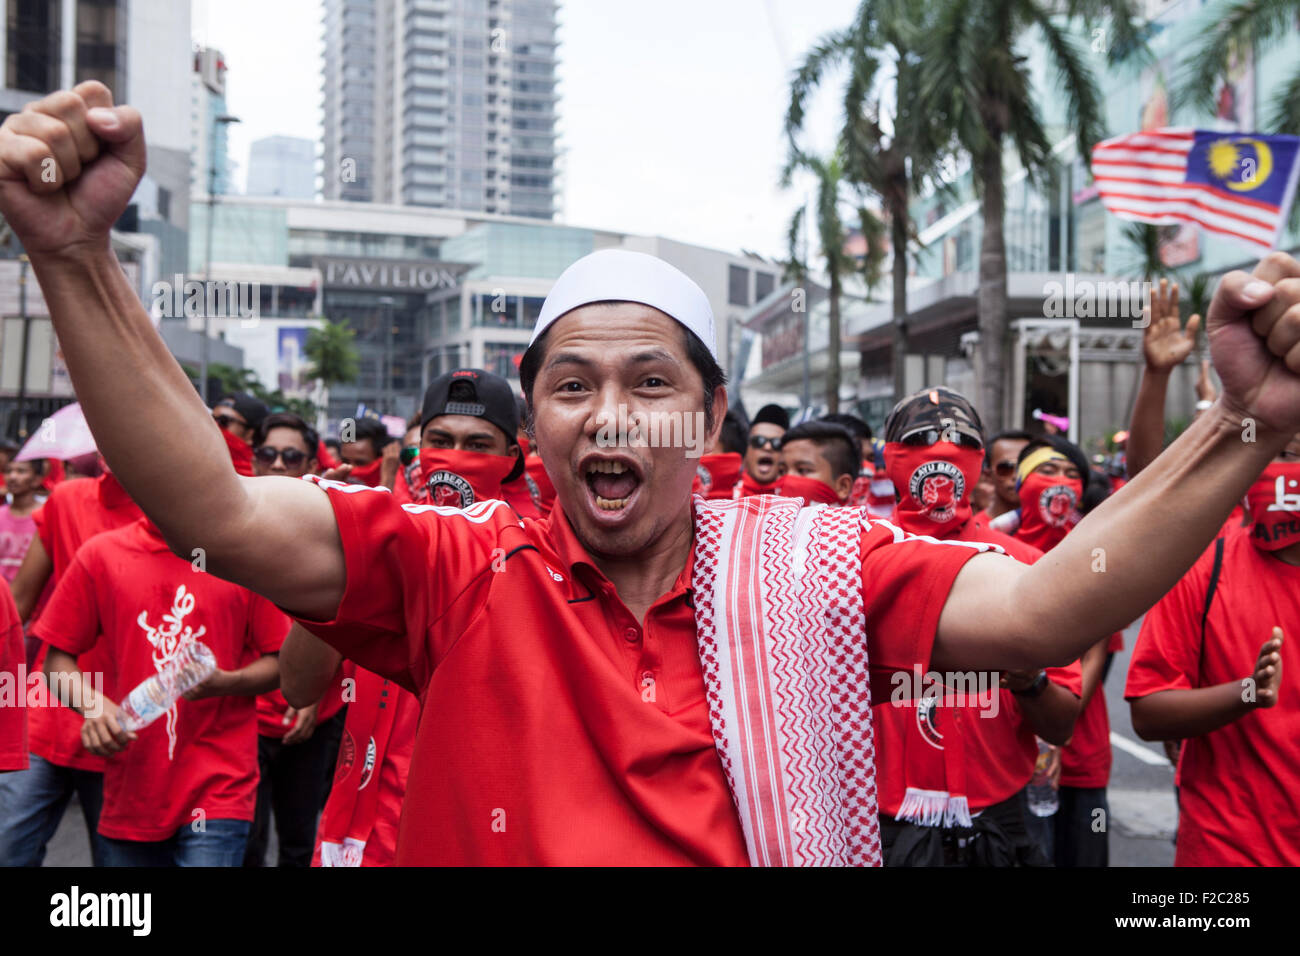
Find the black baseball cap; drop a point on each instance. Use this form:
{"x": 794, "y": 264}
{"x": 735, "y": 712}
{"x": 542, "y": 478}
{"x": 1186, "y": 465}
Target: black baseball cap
{"x": 772, "y": 415}
{"x": 937, "y": 408}
{"x": 251, "y": 408}
{"x": 480, "y": 394}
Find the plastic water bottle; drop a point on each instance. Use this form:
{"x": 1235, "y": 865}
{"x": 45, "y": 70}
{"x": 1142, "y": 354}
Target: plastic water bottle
{"x": 153, "y": 697}
{"x": 1043, "y": 798}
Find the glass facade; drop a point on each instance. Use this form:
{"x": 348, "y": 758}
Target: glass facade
{"x": 499, "y": 358}
{"x": 99, "y": 50}
{"x": 387, "y": 328}
{"x": 446, "y": 136}
{"x": 318, "y": 242}
{"x": 33, "y": 49}
{"x": 496, "y": 310}
{"x": 241, "y": 234}
{"x": 526, "y": 252}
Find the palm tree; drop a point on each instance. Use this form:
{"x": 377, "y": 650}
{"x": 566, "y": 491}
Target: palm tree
{"x": 795, "y": 269}
{"x": 1246, "y": 25}
{"x": 1145, "y": 239}
{"x": 977, "y": 85}
{"x": 831, "y": 236}
{"x": 889, "y": 166}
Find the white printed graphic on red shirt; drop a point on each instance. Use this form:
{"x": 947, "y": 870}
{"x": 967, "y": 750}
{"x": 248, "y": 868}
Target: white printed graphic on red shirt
{"x": 169, "y": 638}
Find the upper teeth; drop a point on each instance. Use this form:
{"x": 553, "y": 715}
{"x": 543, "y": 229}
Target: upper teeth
{"x": 610, "y": 467}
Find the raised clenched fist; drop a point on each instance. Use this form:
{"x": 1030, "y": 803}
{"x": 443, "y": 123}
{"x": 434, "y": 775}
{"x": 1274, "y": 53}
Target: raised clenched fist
{"x": 1254, "y": 331}
{"x": 69, "y": 164}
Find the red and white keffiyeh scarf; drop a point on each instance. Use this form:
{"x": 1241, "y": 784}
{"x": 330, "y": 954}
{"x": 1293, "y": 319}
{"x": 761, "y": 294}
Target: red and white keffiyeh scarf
{"x": 779, "y": 620}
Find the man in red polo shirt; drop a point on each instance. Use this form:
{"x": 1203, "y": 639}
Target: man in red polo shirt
{"x": 182, "y": 790}
{"x": 32, "y": 802}
{"x": 954, "y": 765}
{"x": 1210, "y": 668}
{"x": 588, "y": 681}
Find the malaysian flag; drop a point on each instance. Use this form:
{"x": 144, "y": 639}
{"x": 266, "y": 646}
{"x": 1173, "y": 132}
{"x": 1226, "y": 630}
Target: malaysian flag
{"x": 1238, "y": 185}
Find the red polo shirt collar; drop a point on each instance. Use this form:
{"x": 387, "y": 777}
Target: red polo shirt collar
{"x": 571, "y": 552}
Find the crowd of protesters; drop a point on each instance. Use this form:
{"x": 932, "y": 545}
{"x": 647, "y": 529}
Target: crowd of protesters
{"x": 330, "y": 775}
{"x": 514, "y": 635}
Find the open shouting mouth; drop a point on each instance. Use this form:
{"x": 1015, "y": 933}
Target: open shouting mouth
{"x": 611, "y": 482}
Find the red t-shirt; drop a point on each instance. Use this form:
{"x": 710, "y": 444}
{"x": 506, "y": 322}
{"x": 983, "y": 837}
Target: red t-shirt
{"x": 124, "y": 591}
{"x": 998, "y": 745}
{"x": 13, "y": 687}
{"x": 74, "y": 513}
{"x": 1239, "y": 796}
{"x": 553, "y": 756}
{"x": 1086, "y": 759}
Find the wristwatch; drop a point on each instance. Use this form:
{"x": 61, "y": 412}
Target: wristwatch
{"x": 1036, "y": 688}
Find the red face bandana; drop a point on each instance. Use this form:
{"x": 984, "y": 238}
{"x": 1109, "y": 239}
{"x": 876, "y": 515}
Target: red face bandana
{"x": 367, "y": 474}
{"x": 934, "y": 483}
{"x": 459, "y": 478}
{"x": 1049, "y": 508}
{"x": 748, "y": 486}
{"x": 241, "y": 453}
{"x": 716, "y": 475}
{"x": 1274, "y": 505}
{"x": 812, "y": 490}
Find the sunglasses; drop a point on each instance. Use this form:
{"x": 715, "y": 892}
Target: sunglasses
{"x": 267, "y": 456}
{"x": 765, "y": 441}
{"x": 1005, "y": 469}
{"x": 408, "y": 454}
{"x": 929, "y": 436}
{"x": 225, "y": 421}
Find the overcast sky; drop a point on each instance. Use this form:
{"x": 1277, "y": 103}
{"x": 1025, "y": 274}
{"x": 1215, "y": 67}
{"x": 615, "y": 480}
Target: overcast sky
{"x": 670, "y": 112}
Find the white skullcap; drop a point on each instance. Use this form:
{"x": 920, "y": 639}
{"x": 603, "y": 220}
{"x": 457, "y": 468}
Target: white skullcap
{"x": 616, "y": 275}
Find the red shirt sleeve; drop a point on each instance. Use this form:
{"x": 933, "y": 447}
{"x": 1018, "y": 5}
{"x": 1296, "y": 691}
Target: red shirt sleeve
{"x": 1167, "y": 655}
{"x": 44, "y": 525}
{"x": 406, "y": 566}
{"x": 1070, "y": 677}
{"x": 70, "y": 620}
{"x": 268, "y": 626}
{"x": 905, "y": 584}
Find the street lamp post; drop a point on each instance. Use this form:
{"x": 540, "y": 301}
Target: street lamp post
{"x": 387, "y": 301}
{"x": 217, "y": 122}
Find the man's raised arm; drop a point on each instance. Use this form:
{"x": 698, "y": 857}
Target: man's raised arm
{"x": 69, "y": 164}
{"x": 1125, "y": 555}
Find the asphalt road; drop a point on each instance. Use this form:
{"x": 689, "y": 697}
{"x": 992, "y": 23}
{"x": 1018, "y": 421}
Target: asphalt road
{"x": 1143, "y": 812}
{"x": 1143, "y": 809}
